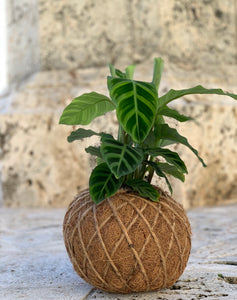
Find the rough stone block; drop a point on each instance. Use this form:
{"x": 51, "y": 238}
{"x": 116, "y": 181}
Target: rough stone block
{"x": 196, "y": 34}
{"x": 83, "y": 34}
{"x": 22, "y": 39}
{"x": 215, "y": 138}
{"x": 39, "y": 167}
{"x": 193, "y": 34}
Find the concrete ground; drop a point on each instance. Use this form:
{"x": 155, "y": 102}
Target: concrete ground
{"x": 35, "y": 265}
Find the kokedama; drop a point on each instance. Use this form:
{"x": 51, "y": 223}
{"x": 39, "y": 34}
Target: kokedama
{"x": 124, "y": 234}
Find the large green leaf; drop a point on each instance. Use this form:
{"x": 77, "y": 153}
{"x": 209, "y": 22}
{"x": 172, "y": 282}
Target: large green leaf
{"x": 170, "y": 156}
{"x": 174, "y": 94}
{"x": 160, "y": 173}
{"x": 144, "y": 188}
{"x": 136, "y": 105}
{"x": 85, "y": 108}
{"x": 164, "y": 132}
{"x": 80, "y": 134}
{"x": 172, "y": 113}
{"x": 171, "y": 170}
{"x": 102, "y": 183}
{"x": 122, "y": 159}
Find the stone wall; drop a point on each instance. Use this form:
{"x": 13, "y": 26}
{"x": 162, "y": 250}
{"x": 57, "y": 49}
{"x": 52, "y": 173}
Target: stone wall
{"x": 23, "y": 40}
{"x": 88, "y": 33}
{"x": 71, "y": 34}
{"x": 73, "y": 41}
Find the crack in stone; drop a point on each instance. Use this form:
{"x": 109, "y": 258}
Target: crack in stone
{"x": 229, "y": 279}
{"x": 222, "y": 262}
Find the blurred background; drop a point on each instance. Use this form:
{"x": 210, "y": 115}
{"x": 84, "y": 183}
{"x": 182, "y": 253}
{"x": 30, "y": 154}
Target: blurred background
{"x": 52, "y": 51}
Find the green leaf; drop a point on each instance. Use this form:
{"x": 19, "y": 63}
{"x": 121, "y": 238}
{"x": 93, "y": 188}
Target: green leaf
{"x": 80, "y": 134}
{"x": 93, "y": 151}
{"x": 120, "y": 74}
{"x": 164, "y": 143}
{"x": 160, "y": 173}
{"x": 112, "y": 70}
{"x": 158, "y": 67}
{"x": 130, "y": 71}
{"x": 136, "y": 105}
{"x": 85, "y": 108}
{"x": 117, "y": 73}
{"x": 172, "y": 113}
{"x": 122, "y": 159}
{"x": 163, "y": 131}
{"x": 174, "y": 94}
{"x": 151, "y": 140}
{"x": 170, "y": 156}
{"x": 99, "y": 161}
{"x": 102, "y": 183}
{"x": 144, "y": 188}
{"x": 171, "y": 170}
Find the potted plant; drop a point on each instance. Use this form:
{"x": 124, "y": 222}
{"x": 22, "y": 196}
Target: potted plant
{"x": 124, "y": 234}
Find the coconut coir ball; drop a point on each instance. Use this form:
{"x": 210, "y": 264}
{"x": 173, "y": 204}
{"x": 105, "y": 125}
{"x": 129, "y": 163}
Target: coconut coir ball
{"x": 127, "y": 243}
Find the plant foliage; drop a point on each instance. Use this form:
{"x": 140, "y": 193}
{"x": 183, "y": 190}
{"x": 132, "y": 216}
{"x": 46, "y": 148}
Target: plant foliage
{"x": 139, "y": 151}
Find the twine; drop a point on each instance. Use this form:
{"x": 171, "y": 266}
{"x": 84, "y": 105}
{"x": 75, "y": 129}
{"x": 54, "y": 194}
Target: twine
{"x": 126, "y": 263}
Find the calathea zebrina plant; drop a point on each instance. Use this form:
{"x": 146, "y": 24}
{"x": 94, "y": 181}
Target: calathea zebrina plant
{"x": 139, "y": 150}
{"x": 133, "y": 237}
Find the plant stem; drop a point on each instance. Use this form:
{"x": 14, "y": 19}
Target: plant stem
{"x": 150, "y": 175}
{"x": 151, "y": 171}
{"x": 143, "y": 168}
{"x": 137, "y": 173}
{"x": 129, "y": 177}
{"x": 120, "y": 134}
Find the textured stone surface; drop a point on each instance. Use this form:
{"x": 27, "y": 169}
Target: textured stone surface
{"x": 215, "y": 137}
{"x": 34, "y": 263}
{"x": 23, "y": 39}
{"x": 84, "y": 34}
{"x": 70, "y": 34}
{"x": 193, "y": 34}
{"x": 39, "y": 167}
{"x": 198, "y": 33}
